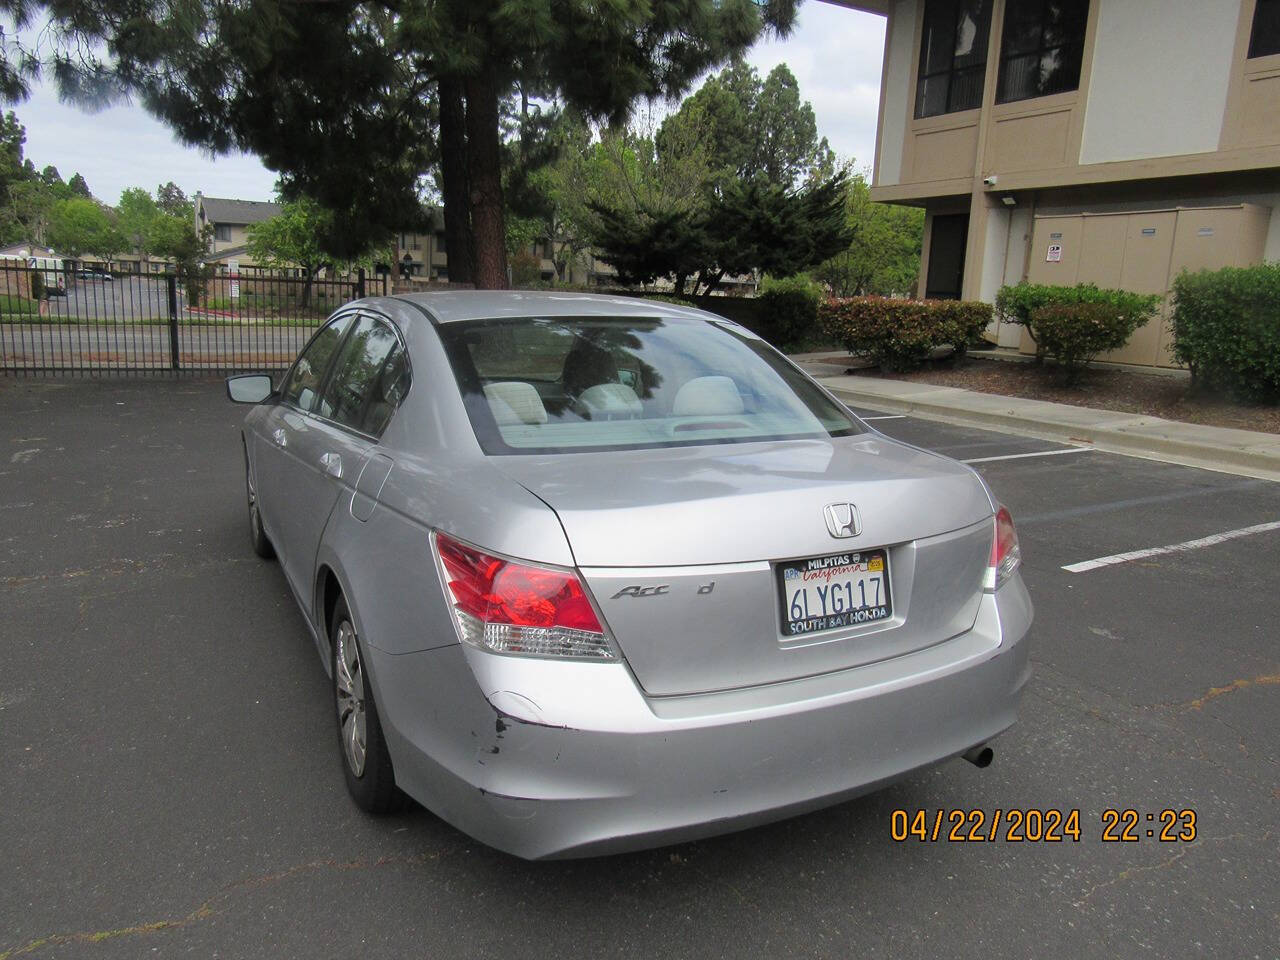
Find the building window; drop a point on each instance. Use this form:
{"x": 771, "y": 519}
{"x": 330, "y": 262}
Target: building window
{"x": 1264, "y": 41}
{"x": 222, "y": 232}
{"x": 1041, "y": 48}
{"x": 440, "y": 242}
{"x": 953, "y": 56}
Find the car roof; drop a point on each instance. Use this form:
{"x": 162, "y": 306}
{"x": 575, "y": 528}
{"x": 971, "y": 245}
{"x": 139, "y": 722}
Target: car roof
{"x": 447, "y": 306}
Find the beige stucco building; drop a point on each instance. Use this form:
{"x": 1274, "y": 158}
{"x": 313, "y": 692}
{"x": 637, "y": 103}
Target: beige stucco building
{"x": 230, "y": 220}
{"x": 1062, "y": 141}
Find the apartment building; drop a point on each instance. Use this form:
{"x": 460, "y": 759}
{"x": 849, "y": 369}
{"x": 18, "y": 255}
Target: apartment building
{"x": 1064, "y": 141}
{"x": 230, "y": 220}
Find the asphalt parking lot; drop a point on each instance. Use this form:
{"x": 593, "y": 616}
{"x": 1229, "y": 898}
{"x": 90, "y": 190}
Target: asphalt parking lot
{"x": 172, "y": 785}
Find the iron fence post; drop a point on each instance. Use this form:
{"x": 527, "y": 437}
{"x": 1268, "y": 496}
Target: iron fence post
{"x": 360, "y": 283}
{"x": 173, "y": 322}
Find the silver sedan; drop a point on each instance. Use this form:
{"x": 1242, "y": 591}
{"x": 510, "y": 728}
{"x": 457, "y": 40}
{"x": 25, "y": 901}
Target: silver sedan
{"x": 594, "y": 573}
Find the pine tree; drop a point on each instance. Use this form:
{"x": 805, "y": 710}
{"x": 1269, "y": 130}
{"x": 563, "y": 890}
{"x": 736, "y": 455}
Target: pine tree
{"x": 345, "y": 101}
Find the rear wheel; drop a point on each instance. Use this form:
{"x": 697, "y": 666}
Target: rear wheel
{"x": 257, "y": 536}
{"x": 366, "y": 762}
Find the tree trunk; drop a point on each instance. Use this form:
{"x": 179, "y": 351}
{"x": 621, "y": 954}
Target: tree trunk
{"x": 485, "y": 172}
{"x": 458, "y": 242}
{"x": 713, "y": 282}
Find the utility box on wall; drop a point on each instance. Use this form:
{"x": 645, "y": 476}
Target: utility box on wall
{"x": 1144, "y": 251}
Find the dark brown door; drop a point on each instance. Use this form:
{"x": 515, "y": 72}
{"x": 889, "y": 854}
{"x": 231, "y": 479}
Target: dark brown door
{"x": 946, "y": 256}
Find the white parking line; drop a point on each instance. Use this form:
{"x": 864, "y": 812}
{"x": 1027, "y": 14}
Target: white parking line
{"x": 895, "y": 416}
{"x": 1171, "y": 548}
{"x": 1023, "y": 456}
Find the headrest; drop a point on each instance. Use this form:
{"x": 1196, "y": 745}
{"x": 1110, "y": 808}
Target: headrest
{"x": 514, "y": 401}
{"x": 611, "y": 400}
{"x": 707, "y": 397}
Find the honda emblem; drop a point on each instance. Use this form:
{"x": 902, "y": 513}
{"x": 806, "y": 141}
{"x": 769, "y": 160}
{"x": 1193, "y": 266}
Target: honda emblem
{"x": 842, "y": 520}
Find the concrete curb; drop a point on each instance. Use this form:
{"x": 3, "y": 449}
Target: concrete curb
{"x": 1243, "y": 452}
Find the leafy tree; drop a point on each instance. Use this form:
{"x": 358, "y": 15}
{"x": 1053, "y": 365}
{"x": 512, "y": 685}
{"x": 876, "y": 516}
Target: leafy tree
{"x": 173, "y": 202}
{"x": 732, "y": 183}
{"x": 883, "y": 256}
{"x": 344, "y": 99}
{"x": 79, "y": 225}
{"x": 755, "y": 129}
{"x": 78, "y": 186}
{"x": 176, "y": 239}
{"x": 136, "y": 215}
{"x": 293, "y": 238}
{"x": 735, "y": 181}
{"x": 645, "y": 207}
{"x": 27, "y": 210}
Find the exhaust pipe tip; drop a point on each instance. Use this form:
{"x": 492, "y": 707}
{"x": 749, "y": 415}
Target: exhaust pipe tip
{"x": 980, "y": 756}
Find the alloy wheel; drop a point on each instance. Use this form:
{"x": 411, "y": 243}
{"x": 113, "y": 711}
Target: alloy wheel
{"x": 348, "y": 677}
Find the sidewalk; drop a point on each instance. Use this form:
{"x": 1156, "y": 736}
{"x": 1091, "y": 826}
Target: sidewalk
{"x": 1244, "y": 452}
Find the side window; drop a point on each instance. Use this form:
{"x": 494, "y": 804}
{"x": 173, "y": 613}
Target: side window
{"x": 1264, "y": 39}
{"x": 357, "y": 374}
{"x": 953, "y": 56}
{"x": 303, "y": 384}
{"x": 391, "y": 388}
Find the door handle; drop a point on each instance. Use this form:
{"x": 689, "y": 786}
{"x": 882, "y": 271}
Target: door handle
{"x": 280, "y": 437}
{"x": 331, "y": 464}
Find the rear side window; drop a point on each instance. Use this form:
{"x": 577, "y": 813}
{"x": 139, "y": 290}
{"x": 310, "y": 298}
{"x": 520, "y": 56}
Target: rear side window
{"x": 302, "y": 387}
{"x": 368, "y": 378}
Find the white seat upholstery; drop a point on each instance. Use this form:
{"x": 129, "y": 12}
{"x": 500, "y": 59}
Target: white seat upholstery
{"x": 606, "y": 400}
{"x": 707, "y": 397}
{"x": 514, "y": 401}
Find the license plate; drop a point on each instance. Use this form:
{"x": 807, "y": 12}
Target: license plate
{"x": 838, "y": 590}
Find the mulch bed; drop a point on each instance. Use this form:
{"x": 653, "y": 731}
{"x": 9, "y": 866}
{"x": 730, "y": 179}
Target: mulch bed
{"x": 1144, "y": 393}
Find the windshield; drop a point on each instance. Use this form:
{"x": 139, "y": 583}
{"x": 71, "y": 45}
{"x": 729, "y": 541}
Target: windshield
{"x": 569, "y": 384}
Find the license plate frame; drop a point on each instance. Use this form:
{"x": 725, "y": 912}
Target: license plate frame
{"x": 848, "y": 616}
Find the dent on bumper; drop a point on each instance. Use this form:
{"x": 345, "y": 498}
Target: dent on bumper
{"x": 545, "y": 759}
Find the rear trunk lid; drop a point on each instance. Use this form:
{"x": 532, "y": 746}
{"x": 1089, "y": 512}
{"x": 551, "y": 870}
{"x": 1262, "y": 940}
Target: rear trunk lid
{"x": 681, "y": 548}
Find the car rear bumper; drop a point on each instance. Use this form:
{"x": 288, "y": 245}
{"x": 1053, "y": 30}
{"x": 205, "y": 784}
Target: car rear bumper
{"x": 545, "y": 759}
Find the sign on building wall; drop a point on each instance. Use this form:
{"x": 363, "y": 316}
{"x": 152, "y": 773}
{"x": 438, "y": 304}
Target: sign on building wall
{"x": 1055, "y": 253}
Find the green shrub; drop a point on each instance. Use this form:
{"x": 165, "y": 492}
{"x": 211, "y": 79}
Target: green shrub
{"x": 1075, "y": 333}
{"x": 1226, "y": 329}
{"x": 899, "y": 334}
{"x": 526, "y": 269}
{"x": 667, "y": 298}
{"x": 791, "y": 307}
{"x": 1018, "y": 303}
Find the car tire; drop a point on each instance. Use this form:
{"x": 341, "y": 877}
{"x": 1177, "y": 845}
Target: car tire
{"x": 366, "y": 764}
{"x": 257, "y": 536}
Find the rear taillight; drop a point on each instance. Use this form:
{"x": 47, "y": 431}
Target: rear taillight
{"x": 507, "y": 607}
{"x": 1005, "y": 552}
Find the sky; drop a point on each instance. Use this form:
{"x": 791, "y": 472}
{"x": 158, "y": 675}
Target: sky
{"x": 834, "y": 52}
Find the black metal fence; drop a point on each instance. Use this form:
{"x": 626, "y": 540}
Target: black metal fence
{"x": 55, "y": 318}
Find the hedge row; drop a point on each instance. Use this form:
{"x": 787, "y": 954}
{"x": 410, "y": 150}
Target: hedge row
{"x": 899, "y": 334}
{"x": 1226, "y": 329}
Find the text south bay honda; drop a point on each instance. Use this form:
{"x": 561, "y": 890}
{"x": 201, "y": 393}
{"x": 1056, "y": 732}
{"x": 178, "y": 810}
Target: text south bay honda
{"x": 595, "y": 573}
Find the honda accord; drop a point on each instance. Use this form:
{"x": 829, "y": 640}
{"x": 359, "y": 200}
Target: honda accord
{"x": 593, "y": 573}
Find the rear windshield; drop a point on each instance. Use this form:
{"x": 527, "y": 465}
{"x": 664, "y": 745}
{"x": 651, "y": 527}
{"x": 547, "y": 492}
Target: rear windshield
{"x": 572, "y": 384}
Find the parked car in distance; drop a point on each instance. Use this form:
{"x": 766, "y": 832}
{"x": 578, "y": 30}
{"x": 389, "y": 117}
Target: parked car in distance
{"x": 595, "y": 573}
{"x": 93, "y": 274}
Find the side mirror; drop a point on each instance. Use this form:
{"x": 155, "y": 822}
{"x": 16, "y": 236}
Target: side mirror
{"x": 252, "y": 388}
